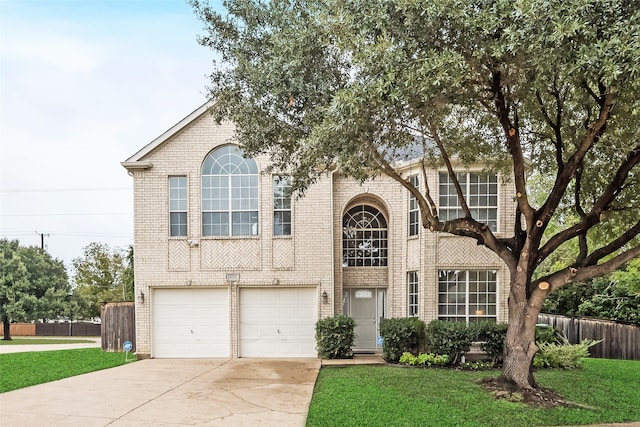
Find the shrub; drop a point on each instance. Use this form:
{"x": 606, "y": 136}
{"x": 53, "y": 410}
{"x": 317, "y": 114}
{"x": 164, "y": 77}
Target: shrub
{"x": 492, "y": 335}
{"x": 335, "y": 336}
{"x": 548, "y": 334}
{"x": 403, "y": 334}
{"x": 450, "y": 338}
{"x": 424, "y": 359}
{"x": 562, "y": 355}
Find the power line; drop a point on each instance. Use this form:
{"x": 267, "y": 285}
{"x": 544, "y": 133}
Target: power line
{"x": 62, "y": 190}
{"x": 69, "y": 234}
{"x": 72, "y": 214}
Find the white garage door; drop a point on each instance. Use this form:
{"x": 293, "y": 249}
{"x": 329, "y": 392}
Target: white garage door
{"x": 278, "y": 322}
{"x": 190, "y": 323}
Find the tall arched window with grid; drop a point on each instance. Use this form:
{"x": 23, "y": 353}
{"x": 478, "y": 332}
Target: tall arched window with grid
{"x": 364, "y": 237}
{"x": 229, "y": 193}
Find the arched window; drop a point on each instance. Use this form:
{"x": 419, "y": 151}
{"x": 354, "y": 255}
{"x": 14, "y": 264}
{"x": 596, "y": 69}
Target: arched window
{"x": 229, "y": 193}
{"x": 364, "y": 237}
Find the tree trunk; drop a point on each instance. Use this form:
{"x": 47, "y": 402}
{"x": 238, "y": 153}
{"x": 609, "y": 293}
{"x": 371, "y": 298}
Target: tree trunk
{"x": 7, "y": 329}
{"x": 520, "y": 346}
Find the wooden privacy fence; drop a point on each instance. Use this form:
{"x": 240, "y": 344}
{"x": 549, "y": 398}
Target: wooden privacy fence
{"x": 118, "y": 325}
{"x": 61, "y": 329}
{"x": 20, "y": 330}
{"x": 79, "y": 329}
{"x": 619, "y": 340}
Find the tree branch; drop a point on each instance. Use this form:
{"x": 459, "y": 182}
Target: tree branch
{"x": 601, "y": 205}
{"x": 565, "y": 176}
{"x": 452, "y": 174}
{"x": 616, "y": 244}
{"x": 513, "y": 144}
{"x": 572, "y": 274}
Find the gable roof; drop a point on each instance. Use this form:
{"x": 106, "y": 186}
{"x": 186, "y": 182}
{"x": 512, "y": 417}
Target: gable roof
{"x": 137, "y": 160}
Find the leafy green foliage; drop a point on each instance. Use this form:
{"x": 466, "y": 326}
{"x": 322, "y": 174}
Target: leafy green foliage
{"x": 547, "y": 334}
{"x": 400, "y": 335}
{"x": 450, "y": 338}
{"x": 424, "y": 359}
{"x": 102, "y": 274}
{"x": 33, "y": 285}
{"x": 335, "y": 336}
{"x": 611, "y": 297}
{"x": 562, "y": 355}
{"x": 18, "y": 368}
{"x": 491, "y": 336}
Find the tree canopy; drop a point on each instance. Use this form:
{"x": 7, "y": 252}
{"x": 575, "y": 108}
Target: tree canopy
{"x": 102, "y": 274}
{"x": 33, "y": 285}
{"x": 549, "y": 86}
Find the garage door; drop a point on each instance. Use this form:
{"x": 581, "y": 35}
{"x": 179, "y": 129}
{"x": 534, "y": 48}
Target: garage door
{"x": 190, "y": 323}
{"x": 278, "y": 322}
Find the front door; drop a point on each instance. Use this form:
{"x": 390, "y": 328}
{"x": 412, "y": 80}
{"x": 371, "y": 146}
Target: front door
{"x": 366, "y": 307}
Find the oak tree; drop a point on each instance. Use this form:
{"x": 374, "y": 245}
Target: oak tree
{"x": 533, "y": 85}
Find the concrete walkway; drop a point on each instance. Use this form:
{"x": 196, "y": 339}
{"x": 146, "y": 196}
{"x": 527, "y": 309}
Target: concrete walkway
{"x": 171, "y": 392}
{"x": 21, "y": 348}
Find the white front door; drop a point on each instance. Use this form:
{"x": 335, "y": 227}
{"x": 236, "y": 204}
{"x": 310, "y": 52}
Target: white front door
{"x": 366, "y": 307}
{"x": 278, "y": 322}
{"x": 190, "y": 323}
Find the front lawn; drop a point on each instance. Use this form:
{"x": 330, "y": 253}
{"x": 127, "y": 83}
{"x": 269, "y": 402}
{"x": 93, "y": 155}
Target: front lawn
{"x": 607, "y": 390}
{"x": 20, "y": 370}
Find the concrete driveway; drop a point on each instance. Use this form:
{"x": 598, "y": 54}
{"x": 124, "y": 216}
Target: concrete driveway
{"x": 171, "y": 392}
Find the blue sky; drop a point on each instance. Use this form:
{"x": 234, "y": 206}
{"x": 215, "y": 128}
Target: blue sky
{"x": 83, "y": 85}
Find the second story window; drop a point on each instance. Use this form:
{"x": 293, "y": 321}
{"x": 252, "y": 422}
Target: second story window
{"x": 481, "y": 193}
{"x": 364, "y": 237}
{"x": 178, "y": 206}
{"x": 281, "y": 206}
{"x": 414, "y": 210}
{"x": 229, "y": 193}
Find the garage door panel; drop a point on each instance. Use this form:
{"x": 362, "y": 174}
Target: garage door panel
{"x": 190, "y": 323}
{"x": 277, "y": 322}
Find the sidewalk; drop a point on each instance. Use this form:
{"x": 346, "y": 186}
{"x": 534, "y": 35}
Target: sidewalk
{"x": 21, "y": 348}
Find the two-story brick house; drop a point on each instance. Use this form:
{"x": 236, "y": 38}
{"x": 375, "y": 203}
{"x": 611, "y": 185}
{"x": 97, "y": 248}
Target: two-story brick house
{"x": 227, "y": 264}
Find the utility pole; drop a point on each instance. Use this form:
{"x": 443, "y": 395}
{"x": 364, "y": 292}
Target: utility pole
{"x": 42, "y": 239}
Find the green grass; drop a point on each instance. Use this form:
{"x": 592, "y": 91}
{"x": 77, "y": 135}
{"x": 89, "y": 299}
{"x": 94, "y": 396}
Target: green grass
{"x": 396, "y": 396}
{"x": 18, "y": 370}
{"x": 36, "y": 341}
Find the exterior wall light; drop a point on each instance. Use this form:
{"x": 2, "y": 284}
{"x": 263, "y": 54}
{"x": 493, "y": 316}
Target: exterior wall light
{"x": 325, "y": 297}
{"x": 141, "y": 297}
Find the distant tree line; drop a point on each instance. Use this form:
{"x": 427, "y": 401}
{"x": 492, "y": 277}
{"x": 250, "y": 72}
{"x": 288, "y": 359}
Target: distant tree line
{"x": 35, "y": 286}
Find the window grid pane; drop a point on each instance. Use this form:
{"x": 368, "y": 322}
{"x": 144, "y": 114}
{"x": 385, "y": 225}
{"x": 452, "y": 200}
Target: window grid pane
{"x": 412, "y": 293}
{"x": 481, "y": 193}
{"x": 229, "y": 193}
{"x": 414, "y": 216}
{"x": 364, "y": 241}
{"x": 281, "y": 206}
{"x": 178, "y": 206}
{"x": 468, "y": 296}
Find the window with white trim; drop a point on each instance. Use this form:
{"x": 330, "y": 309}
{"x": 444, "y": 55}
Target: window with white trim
{"x": 467, "y": 296}
{"x": 412, "y": 293}
{"x": 364, "y": 237}
{"x": 480, "y": 190}
{"x": 281, "y": 205}
{"x": 414, "y": 211}
{"x": 178, "y": 206}
{"x": 229, "y": 193}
